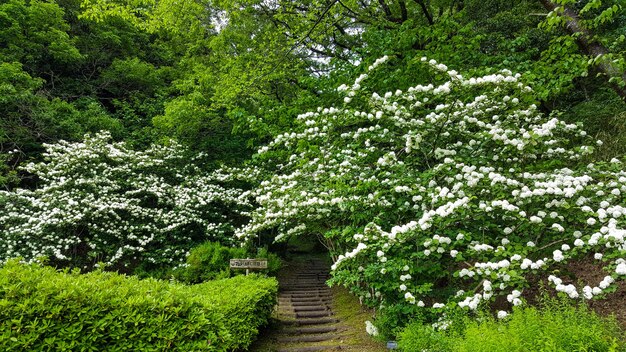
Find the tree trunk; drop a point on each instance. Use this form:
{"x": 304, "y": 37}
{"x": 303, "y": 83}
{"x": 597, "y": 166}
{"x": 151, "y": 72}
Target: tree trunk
{"x": 589, "y": 46}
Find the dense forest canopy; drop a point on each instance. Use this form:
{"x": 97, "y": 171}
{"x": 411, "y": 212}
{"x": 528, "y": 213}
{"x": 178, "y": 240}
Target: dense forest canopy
{"x": 199, "y": 70}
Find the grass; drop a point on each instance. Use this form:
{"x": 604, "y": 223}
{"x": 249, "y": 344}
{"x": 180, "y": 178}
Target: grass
{"x": 556, "y": 325}
{"x": 353, "y": 316}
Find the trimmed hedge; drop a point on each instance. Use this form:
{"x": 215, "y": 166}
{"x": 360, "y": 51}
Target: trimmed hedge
{"x": 242, "y": 317}
{"x": 43, "y": 309}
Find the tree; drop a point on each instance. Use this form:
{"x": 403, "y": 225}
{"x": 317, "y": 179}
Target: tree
{"x": 442, "y": 196}
{"x": 100, "y": 201}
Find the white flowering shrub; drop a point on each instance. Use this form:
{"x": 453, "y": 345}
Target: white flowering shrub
{"x": 100, "y": 201}
{"x": 446, "y": 195}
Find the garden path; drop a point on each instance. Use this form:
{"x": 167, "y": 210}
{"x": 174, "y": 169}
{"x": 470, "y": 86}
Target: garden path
{"x": 311, "y": 316}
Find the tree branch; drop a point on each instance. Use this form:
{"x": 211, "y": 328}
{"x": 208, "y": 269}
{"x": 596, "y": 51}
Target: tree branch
{"x": 386, "y": 8}
{"x": 425, "y": 11}
{"x": 404, "y": 13}
{"x": 585, "y": 41}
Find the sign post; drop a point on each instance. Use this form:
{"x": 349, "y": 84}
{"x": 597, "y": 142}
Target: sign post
{"x": 254, "y": 264}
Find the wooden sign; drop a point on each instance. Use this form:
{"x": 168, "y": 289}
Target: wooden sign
{"x": 248, "y": 263}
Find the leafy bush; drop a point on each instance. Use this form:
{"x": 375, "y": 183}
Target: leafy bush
{"x": 42, "y": 309}
{"x": 445, "y": 195}
{"x": 246, "y": 303}
{"x": 208, "y": 261}
{"x": 101, "y": 201}
{"x": 274, "y": 263}
{"x": 554, "y": 327}
{"x": 423, "y": 338}
{"x": 211, "y": 260}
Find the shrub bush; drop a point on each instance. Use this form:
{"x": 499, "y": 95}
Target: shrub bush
{"x": 42, "y": 309}
{"x": 208, "y": 261}
{"x": 554, "y": 327}
{"x": 211, "y": 260}
{"x": 444, "y": 196}
{"x": 242, "y": 314}
{"x": 102, "y": 201}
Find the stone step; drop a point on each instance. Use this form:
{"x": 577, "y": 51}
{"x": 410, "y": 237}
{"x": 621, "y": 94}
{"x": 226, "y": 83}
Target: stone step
{"x": 313, "y": 272}
{"x": 303, "y": 287}
{"x": 308, "y": 295}
{"x": 311, "y": 330}
{"x": 297, "y": 290}
{"x": 311, "y": 321}
{"x": 299, "y": 286}
{"x": 304, "y": 296}
{"x": 304, "y": 307}
{"x": 300, "y": 298}
{"x": 309, "y": 303}
{"x": 310, "y": 308}
{"x": 316, "y": 314}
{"x": 311, "y": 349}
{"x": 302, "y": 290}
{"x": 308, "y": 338}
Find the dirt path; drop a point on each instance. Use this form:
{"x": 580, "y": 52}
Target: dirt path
{"x": 313, "y": 317}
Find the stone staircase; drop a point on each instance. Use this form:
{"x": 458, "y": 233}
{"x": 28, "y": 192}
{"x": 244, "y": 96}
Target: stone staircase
{"x": 304, "y": 310}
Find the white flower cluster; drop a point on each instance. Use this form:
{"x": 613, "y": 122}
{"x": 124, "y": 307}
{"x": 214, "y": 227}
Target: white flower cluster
{"x": 103, "y": 202}
{"x": 461, "y": 179}
{"x": 370, "y": 328}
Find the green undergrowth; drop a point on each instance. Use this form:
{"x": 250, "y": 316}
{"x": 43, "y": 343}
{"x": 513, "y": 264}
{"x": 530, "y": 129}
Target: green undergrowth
{"x": 353, "y": 316}
{"x": 210, "y": 261}
{"x": 555, "y": 326}
{"x": 42, "y": 309}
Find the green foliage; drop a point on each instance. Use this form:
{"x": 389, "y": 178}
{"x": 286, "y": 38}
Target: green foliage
{"x": 442, "y": 196}
{"x": 211, "y": 260}
{"x": 208, "y": 261}
{"x": 246, "y": 303}
{"x": 43, "y": 309}
{"x": 35, "y": 34}
{"x": 100, "y": 201}
{"x": 604, "y": 116}
{"x": 599, "y": 22}
{"x": 7, "y": 176}
{"x": 274, "y": 263}
{"x": 419, "y": 337}
{"x": 556, "y": 326}
{"x": 29, "y": 118}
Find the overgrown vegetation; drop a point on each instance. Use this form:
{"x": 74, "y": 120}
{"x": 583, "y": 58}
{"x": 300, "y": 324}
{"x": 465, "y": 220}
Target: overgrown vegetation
{"x": 210, "y": 261}
{"x": 556, "y": 326}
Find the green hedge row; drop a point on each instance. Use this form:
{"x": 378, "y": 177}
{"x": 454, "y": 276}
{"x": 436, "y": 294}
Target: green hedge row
{"x": 42, "y": 309}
